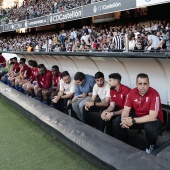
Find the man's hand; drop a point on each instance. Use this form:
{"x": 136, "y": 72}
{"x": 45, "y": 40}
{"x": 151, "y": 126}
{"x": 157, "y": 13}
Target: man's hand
{"x": 126, "y": 122}
{"x": 55, "y": 99}
{"x": 129, "y": 121}
{"x": 103, "y": 115}
{"x": 69, "y": 102}
{"x": 88, "y": 105}
{"x": 123, "y": 123}
{"x": 109, "y": 115}
{"x": 84, "y": 95}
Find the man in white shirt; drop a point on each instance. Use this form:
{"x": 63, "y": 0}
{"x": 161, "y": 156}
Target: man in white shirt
{"x": 153, "y": 41}
{"x": 86, "y": 37}
{"x": 101, "y": 90}
{"x": 66, "y": 92}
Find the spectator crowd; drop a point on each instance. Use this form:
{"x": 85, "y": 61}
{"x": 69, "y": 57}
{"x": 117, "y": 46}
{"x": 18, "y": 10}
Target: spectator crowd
{"x": 151, "y": 36}
{"x": 37, "y": 8}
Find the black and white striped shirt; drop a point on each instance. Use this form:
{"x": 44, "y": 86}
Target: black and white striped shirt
{"x": 117, "y": 42}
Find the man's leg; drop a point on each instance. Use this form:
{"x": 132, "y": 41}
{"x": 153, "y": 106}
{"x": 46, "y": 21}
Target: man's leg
{"x": 81, "y": 105}
{"x": 76, "y": 108}
{"x": 46, "y": 94}
{"x": 120, "y": 133}
{"x": 24, "y": 86}
{"x": 86, "y": 115}
{"x": 21, "y": 82}
{"x": 39, "y": 94}
{"x": 96, "y": 117}
{"x": 17, "y": 79}
{"x": 110, "y": 124}
{"x": 151, "y": 129}
{"x": 52, "y": 104}
{"x": 65, "y": 107}
{"x": 11, "y": 81}
{"x": 30, "y": 90}
{"x": 109, "y": 127}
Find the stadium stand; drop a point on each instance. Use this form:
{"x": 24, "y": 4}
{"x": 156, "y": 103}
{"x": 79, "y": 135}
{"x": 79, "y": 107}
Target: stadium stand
{"x": 92, "y": 38}
{"x": 33, "y": 9}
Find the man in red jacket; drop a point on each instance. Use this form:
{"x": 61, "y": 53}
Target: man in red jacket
{"x": 55, "y": 85}
{"x": 44, "y": 81}
{"x": 147, "y": 114}
{"x": 2, "y": 65}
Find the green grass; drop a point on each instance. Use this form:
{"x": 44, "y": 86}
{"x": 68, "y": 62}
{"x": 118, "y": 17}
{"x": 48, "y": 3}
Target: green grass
{"x": 25, "y": 146}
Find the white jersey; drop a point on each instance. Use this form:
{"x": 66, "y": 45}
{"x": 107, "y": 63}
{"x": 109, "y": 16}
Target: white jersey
{"x": 67, "y": 88}
{"x": 102, "y": 92}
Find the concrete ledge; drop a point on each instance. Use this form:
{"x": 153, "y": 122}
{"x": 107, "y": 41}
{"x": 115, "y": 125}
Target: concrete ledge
{"x": 99, "y": 148}
{"x": 99, "y": 54}
{"x": 165, "y": 153}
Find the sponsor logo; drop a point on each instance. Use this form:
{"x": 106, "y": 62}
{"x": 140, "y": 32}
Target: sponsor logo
{"x": 136, "y": 100}
{"x": 13, "y": 26}
{"x": 42, "y": 21}
{"x": 106, "y": 7}
{"x": 95, "y": 9}
{"x": 146, "y": 99}
{"x": 26, "y": 24}
{"x": 34, "y": 23}
{"x": 66, "y": 16}
{"x": 51, "y": 19}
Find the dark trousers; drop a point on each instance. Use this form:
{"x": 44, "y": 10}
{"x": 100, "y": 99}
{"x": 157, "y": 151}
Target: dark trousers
{"x": 150, "y": 129}
{"x": 110, "y": 124}
{"x": 2, "y": 74}
{"x": 92, "y": 117}
{"x": 61, "y": 105}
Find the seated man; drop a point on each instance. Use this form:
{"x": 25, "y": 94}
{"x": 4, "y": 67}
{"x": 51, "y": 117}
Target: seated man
{"x": 84, "y": 86}
{"x": 66, "y": 92}
{"x": 16, "y": 76}
{"x": 147, "y": 112}
{"x": 12, "y": 71}
{"x": 101, "y": 89}
{"x": 29, "y": 85}
{"x": 44, "y": 81}
{"x": 2, "y": 65}
{"x": 55, "y": 84}
{"x": 32, "y": 87}
{"x": 118, "y": 93}
{"x": 25, "y": 75}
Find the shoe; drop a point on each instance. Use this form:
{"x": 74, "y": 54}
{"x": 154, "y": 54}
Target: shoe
{"x": 150, "y": 149}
